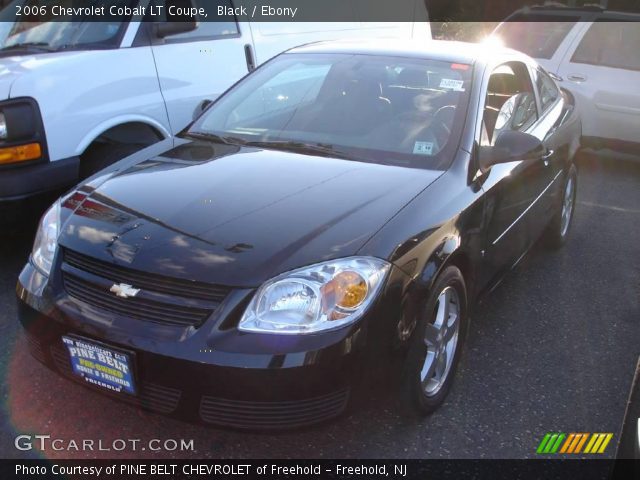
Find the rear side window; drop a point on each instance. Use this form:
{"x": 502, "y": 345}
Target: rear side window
{"x": 610, "y": 44}
{"x": 538, "y": 36}
{"x": 547, "y": 89}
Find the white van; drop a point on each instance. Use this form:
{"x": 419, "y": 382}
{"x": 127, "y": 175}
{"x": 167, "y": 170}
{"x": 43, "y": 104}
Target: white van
{"x": 77, "y": 96}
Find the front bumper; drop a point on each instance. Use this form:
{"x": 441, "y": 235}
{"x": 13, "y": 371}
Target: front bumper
{"x": 227, "y": 378}
{"x": 20, "y": 182}
{"x": 29, "y": 189}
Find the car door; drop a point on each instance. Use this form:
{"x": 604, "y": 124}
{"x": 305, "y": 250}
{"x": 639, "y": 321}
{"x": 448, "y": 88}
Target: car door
{"x": 510, "y": 188}
{"x": 603, "y": 71}
{"x": 201, "y": 64}
{"x": 549, "y": 129}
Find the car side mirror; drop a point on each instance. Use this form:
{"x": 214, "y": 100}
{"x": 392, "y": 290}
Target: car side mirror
{"x": 510, "y": 146}
{"x": 202, "y": 106}
{"x": 166, "y": 29}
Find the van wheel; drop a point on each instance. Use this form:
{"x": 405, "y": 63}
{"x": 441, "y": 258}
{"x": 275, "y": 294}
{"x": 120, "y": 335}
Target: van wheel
{"x": 436, "y": 345}
{"x": 558, "y": 229}
{"x": 100, "y": 155}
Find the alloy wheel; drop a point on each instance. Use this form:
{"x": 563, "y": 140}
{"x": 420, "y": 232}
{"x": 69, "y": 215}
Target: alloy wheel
{"x": 567, "y": 206}
{"x": 441, "y": 341}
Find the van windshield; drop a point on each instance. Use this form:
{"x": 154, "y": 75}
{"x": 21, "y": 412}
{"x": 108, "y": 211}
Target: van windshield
{"x": 39, "y": 33}
{"x": 392, "y": 110}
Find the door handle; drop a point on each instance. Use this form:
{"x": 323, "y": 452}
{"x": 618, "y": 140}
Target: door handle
{"x": 547, "y": 156}
{"x": 248, "y": 54}
{"x": 577, "y": 78}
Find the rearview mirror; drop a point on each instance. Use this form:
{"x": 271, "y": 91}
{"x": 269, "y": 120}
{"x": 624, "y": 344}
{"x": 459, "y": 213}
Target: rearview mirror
{"x": 510, "y": 146}
{"x": 166, "y": 29}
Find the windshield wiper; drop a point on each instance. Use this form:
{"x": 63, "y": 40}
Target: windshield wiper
{"x": 40, "y": 46}
{"x": 212, "y": 137}
{"x": 287, "y": 145}
{"x": 310, "y": 148}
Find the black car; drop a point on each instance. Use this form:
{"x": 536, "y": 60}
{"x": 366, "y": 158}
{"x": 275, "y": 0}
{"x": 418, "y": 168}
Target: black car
{"x": 335, "y": 214}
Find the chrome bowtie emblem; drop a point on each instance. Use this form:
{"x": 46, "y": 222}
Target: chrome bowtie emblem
{"x": 123, "y": 290}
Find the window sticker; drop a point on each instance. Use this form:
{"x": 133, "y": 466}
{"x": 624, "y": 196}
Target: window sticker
{"x": 452, "y": 84}
{"x": 423, "y": 148}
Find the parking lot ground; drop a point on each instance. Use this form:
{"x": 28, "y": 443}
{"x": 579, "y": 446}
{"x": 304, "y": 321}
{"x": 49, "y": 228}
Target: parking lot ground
{"x": 554, "y": 348}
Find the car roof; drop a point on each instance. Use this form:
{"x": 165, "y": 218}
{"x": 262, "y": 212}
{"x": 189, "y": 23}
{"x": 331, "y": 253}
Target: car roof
{"x": 444, "y": 50}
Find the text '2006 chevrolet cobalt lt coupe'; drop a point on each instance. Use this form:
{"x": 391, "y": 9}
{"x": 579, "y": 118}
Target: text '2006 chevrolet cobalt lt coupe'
{"x": 339, "y": 208}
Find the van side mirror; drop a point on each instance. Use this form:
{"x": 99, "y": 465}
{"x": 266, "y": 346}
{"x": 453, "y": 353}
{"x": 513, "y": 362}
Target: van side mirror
{"x": 510, "y": 146}
{"x": 166, "y": 29}
{"x": 201, "y": 107}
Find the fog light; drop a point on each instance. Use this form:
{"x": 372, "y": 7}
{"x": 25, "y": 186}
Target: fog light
{"x": 21, "y": 153}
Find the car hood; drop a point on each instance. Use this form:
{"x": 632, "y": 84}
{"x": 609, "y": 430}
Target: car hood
{"x": 233, "y": 215}
{"x": 10, "y": 70}
{"x": 16, "y": 65}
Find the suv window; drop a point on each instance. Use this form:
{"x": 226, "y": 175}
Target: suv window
{"x": 538, "y": 36}
{"x": 510, "y": 103}
{"x": 610, "y": 44}
{"x": 223, "y": 26}
{"x": 547, "y": 89}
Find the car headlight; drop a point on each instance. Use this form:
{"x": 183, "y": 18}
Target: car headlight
{"x": 318, "y": 298}
{"x": 46, "y": 242}
{"x": 22, "y": 136}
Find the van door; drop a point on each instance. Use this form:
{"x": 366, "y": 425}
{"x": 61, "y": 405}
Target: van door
{"x": 273, "y": 38}
{"x": 201, "y": 64}
{"x": 604, "y": 73}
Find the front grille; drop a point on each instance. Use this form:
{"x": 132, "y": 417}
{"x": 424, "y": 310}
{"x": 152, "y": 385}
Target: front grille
{"x": 138, "y": 308}
{"x": 157, "y": 398}
{"x": 272, "y": 415}
{"x": 146, "y": 281}
{"x": 162, "y": 300}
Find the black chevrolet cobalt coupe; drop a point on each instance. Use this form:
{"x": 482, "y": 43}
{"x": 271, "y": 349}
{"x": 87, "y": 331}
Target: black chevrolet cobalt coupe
{"x": 327, "y": 223}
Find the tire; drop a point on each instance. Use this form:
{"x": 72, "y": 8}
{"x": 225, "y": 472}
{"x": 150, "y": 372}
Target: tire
{"x": 558, "y": 230}
{"x": 101, "y": 155}
{"x": 422, "y": 392}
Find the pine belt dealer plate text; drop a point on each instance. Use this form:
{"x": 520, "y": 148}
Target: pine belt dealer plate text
{"x": 100, "y": 365}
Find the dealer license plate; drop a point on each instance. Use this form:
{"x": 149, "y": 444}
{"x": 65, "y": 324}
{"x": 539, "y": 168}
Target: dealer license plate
{"x": 102, "y": 366}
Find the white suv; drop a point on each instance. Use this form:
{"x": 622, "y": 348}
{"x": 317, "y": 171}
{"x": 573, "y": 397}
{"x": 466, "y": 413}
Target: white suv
{"x": 595, "y": 54}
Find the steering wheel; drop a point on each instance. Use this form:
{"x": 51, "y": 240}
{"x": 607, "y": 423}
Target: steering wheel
{"x": 431, "y": 128}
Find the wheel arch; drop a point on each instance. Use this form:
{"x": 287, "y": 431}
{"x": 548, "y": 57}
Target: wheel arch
{"x": 124, "y": 129}
{"x": 449, "y": 251}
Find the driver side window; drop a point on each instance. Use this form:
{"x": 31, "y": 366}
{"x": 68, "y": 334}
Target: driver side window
{"x": 510, "y": 103}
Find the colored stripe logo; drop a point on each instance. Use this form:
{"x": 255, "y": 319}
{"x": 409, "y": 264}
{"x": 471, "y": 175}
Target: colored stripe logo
{"x": 574, "y": 443}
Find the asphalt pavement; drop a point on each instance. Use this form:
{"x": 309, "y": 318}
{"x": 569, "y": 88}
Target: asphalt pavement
{"x": 553, "y": 348}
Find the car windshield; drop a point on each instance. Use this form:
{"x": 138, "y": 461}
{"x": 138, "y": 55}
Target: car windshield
{"x": 382, "y": 109}
{"x": 42, "y": 32}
